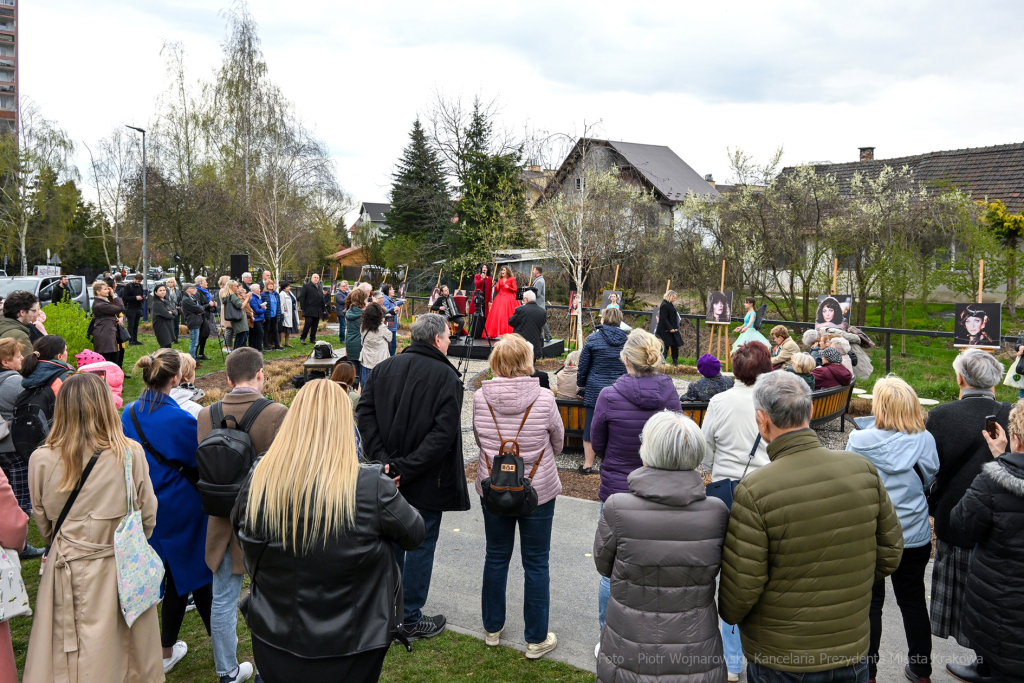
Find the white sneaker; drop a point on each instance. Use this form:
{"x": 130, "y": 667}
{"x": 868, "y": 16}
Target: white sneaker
{"x": 243, "y": 672}
{"x": 538, "y": 650}
{"x": 733, "y": 677}
{"x": 493, "y": 639}
{"x": 597, "y": 650}
{"x": 178, "y": 653}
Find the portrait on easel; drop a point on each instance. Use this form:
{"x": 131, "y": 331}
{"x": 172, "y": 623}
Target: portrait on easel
{"x": 833, "y": 311}
{"x": 574, "y": 304}
{"x": 719, "y": 307}
{"x": 655, "y": 317}
{"x": 611, "y": 299}
{"x": 402, "y": 288}
{"x": 977, "y": 325}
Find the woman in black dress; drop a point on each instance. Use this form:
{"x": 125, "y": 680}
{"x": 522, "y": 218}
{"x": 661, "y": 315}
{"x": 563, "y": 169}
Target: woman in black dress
{"x": 164, "y": 311}
{"x": 668, "y": 326}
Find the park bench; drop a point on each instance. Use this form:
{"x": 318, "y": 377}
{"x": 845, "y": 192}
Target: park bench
{"x": 828, "y": 404}
{"x": 573, "y": 417}
{"x": 695, "y": 410}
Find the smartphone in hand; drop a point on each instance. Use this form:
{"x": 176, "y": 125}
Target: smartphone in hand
{"x": 992, "y": 426}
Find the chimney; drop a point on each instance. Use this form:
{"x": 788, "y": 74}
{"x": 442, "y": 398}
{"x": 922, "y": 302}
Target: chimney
{"x": 867, "y": 153}
{"x": 710, "y": 179}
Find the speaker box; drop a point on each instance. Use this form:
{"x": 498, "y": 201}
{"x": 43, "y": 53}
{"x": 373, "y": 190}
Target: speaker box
{"x": 239, "y": 265}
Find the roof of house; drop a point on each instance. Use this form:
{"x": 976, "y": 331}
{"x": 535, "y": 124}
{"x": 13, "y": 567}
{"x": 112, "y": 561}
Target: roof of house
{"x": 376, "y": 211}
{"x": 344, "y": 252}
{"x": 669, "y": 176}
{"x": 995, "y": 172}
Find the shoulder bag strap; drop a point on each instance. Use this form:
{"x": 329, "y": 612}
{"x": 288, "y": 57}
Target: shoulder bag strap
{"x": 217, "y": 416}
{"x": 74, "y": 496}
{"x": 753, "y": 450}
{"x": 178, "y": 467}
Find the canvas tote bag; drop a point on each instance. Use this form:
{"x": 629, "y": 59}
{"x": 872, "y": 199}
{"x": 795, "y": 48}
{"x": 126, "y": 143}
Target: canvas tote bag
{"x": 139, "y": 569}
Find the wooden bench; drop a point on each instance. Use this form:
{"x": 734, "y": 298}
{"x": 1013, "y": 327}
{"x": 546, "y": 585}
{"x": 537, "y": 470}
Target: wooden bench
{"x": 828, "y": 404}
{"x": 573, "y": 417}
{"x": 695, "y": 410}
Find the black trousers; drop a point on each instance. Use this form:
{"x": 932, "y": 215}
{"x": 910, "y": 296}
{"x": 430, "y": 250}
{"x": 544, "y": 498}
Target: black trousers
{"x": 669, "y": 340}
{"x": 270, "y": 337}
{"x": 278, "y": 665}
{"x": 175, "y": 605}
{"x": 256, "y": 335}
{"x": 116, "y": 357}
{"x": 309, "y": 326}
{"x": 908, "y": 585}
{"x": 134, "y": 315}
{"x": 177, "y": 327}
{"x": 241, "y": 339}
{"x": 204, "y": 334}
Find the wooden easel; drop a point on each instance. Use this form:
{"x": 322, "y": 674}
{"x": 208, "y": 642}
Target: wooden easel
{"x": 835, "y": 272}
{"x": 719, "y": 344}
{"x": 572, "y": 324}
{"x": 401, "y": 309}
{"x": 615, "y": 285}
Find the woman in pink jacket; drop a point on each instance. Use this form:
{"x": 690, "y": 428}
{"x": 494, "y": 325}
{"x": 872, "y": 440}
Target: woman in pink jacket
{"x": 509, "y": 395}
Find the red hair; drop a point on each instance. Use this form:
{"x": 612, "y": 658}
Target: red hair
{"x": 749, "y": 361}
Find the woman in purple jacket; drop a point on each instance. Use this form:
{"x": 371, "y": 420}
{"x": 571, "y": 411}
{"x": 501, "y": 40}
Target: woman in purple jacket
{"x": 621, "y": 412}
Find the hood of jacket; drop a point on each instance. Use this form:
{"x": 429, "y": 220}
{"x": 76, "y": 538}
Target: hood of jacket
{"x": 1008, "y": 472}
{"x": 668, "y": 487}
{"x": 648, "y": 393}
{"x": 511, "y": 395}
{"x": 45, "y": 373}
{"x": 354, "y": 313}
{"x": 613, "y": 336}
{"x": 186, "y": 392}
{"x": 890, "y": 451}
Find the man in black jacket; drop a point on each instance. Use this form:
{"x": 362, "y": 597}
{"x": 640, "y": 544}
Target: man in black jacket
{"x": 963, "y": 452}
{"x": 410, "y": 419}
{"x": 192, "y": 312}
{"x": 61, "y": 291}
{"x": 311, "y": 302}
{"x": 134, "y": 295}
{"x": 528, "y": 321}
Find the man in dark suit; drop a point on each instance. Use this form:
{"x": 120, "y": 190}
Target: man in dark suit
{"x": 311, "y": 302}
{"x": 528, "y": 321}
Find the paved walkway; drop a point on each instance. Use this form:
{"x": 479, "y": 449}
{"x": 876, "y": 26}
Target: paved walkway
{"x": 458, "y": 574}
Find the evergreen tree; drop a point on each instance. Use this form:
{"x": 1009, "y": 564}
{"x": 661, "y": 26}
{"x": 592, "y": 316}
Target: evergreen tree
{"x": 420, "y": 204}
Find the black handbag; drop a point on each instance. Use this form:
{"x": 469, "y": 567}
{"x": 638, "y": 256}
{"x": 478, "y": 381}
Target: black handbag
{"x": 507, "y": 492}
{"x": 723, "y": 489}
{"x": 231, "y": 311}
{"x": 123, "y": 336}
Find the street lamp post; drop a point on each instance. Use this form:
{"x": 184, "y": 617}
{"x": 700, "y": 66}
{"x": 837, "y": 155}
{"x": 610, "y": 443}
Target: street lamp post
{"x": 145, "y": 250}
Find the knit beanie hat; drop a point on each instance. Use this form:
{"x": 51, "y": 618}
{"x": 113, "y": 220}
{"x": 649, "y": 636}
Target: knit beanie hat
{"x": 832, "y": 355}
{"x": 709, "y": 366}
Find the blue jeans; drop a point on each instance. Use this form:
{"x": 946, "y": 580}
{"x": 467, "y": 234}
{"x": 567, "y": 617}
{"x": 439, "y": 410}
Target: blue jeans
{"x": 364, "y": 375}
{"x": 224, "y": 617}
{"x": 535, "y": 546}
{"x": 341, "y": 329}
{"x": 417, "y": 566}
{"x": 193, "y": 342}
{"x": 392, "y": 345}
{"x": 241, "y": 339}
{"x": 855, "y": 673}
{"x": 1020, "y": 393}
{"x": 604, "y": 592}
{"x": 733, "y": 647}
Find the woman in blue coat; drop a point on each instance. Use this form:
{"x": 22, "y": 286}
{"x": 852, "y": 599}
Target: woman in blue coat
{"x": 180, "y": 534}
{"x": 599, "y": 367}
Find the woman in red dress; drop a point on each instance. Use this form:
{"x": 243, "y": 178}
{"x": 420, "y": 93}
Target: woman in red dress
{"x": 504, "y": 304}
{"x": 481, "y": 282}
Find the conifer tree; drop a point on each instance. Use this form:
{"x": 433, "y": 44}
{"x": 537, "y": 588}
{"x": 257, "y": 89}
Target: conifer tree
{"x": 420, "y": 204}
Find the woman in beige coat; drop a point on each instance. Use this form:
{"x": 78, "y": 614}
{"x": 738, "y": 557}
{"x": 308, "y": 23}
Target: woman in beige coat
{"x": 78, "y": 632}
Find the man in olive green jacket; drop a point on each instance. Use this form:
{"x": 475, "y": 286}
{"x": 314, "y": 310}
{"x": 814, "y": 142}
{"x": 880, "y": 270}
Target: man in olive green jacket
{"x": 809, "y": 534}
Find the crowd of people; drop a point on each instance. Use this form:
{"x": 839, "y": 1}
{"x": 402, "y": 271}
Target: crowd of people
{"x": 337, "y": 517}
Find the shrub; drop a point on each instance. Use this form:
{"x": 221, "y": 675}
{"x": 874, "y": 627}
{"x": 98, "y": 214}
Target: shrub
{"x": 69, "y": 321}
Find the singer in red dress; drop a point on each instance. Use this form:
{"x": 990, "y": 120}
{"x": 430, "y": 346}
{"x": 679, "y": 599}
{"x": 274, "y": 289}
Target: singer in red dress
{"x": 504, "y": 304}
{"x": 481, "y": 281}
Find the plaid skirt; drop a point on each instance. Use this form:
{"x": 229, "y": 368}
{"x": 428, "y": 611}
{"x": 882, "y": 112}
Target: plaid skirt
{"x": 949, "y": 590}
{"x": 16, "y": 470}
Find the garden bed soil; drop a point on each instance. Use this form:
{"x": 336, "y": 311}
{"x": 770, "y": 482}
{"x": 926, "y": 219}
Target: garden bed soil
{"x": 277, "y": 384}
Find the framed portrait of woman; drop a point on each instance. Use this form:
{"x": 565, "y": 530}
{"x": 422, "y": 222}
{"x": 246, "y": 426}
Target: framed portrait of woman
{"x": 611, "y": 299}
{"x": 833, "y": 311}
{"x": 719, "y": 307}
{"x": 977, "y": 325}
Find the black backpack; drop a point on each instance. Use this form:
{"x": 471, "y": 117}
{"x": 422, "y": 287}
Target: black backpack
{"x": 30, "y": 423}
{"x": 225, "y": 458}
{"x": 507, "y": 491}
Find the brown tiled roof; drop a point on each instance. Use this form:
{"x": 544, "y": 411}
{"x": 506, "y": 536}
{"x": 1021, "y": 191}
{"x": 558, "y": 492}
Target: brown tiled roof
{"x": 995, "y": 172}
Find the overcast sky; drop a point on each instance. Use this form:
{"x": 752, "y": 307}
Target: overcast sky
{"x": 818, "y": 78}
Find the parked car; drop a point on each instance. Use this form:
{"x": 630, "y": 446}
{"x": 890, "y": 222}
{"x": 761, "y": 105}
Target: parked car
{"x": 42, "y": 287}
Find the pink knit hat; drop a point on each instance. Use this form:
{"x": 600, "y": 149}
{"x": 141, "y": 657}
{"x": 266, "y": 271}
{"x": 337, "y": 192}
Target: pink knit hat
{"x": 87, "y": 356}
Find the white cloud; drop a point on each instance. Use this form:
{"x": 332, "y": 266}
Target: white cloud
{"x": 818, "y": 78}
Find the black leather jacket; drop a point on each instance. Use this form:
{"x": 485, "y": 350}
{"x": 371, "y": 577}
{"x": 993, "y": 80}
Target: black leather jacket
{"x": 337, "y": 600}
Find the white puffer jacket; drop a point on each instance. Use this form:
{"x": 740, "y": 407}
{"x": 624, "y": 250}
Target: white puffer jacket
{"x": 542, "y": 433}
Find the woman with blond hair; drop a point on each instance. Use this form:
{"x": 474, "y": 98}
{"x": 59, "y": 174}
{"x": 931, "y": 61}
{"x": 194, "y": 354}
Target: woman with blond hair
{"x": 907, "y": 461}
{"x": 225, "y": 287}
{"x": 169, "y": 435}
{"x": 785, "y": 347}
{"x": 78, "y": 632}
{"x": 620, "y": 414}
{"x": 317, "y": 530}
{"x": 514, "y": 406}
{"x": 803, "y": 367}
{"x": 174, "y": 296}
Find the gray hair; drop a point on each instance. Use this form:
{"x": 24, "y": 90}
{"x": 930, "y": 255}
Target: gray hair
{"x": 529, "y": 296}
{"x": 840, "y": 344}
{"x": 200, "y": 280}
{"x": 784, "y": 398}
{"x": 672, "y": 441}
{"x": 257, "y": 286}
{"x": 810, "y": 336}
{"x": 428, "y": 327}
{"x": 246, "y": 274}
{"x": 979, "y": 369}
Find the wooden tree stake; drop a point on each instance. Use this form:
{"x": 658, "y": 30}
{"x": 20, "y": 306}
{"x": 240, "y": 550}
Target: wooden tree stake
{"x": 835, "y": 272}
{"x": 722, "y": 287}
{"x": 981, "y": 278}
{"x": 615, "y": 285}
